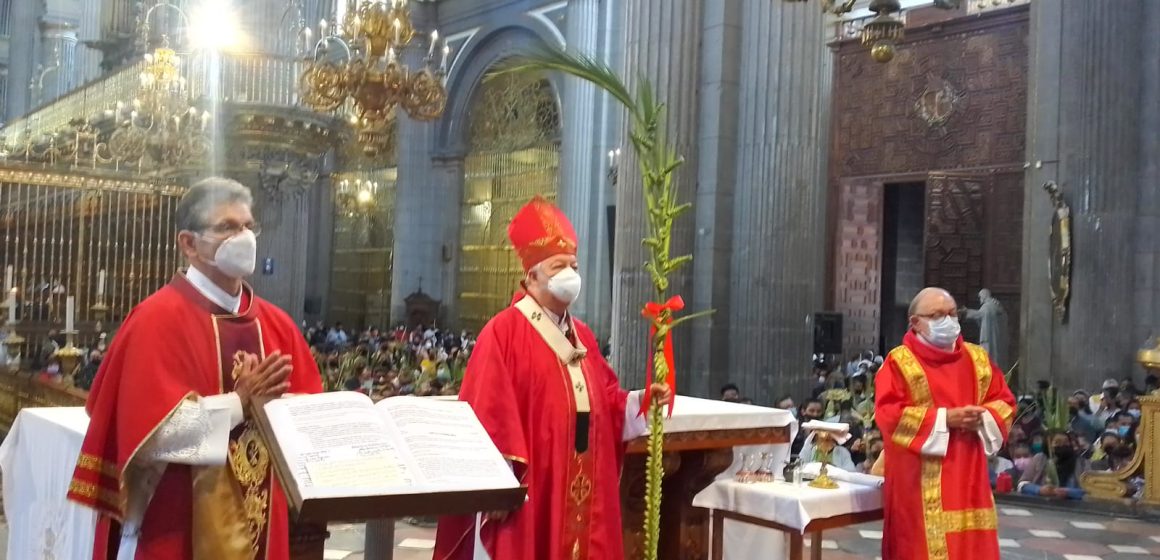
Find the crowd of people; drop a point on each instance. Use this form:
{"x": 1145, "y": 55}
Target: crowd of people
{"x": 1056, "y": 437}
{"x": 423, "y": 361}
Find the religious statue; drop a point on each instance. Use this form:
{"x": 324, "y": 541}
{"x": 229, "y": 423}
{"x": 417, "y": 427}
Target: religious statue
{"x": 992, "y": 320}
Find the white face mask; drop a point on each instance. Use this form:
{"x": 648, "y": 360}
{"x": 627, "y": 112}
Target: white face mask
{"x": 236, "y": 256}
{"x": 944, "y": 332}
{"x": 565, "y": 285}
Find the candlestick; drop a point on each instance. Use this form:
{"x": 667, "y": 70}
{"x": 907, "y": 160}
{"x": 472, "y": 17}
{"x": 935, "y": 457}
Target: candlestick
{"x": 69, "y": 310}
{"x": 100, "y": 283}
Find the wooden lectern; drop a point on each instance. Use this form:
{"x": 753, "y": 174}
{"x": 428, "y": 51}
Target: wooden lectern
{"x": 309, "y": 517}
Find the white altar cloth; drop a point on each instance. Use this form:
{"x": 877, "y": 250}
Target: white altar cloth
{"x": 787, "y": 504}
{"x": 691, "y": 414}
{"x": 37, "y": 459}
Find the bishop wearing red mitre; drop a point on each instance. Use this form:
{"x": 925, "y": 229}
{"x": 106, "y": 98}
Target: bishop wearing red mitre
{"x": 170, "y": 461}
{"x": 553, "y": 407}
{"x": 943, "y": 407}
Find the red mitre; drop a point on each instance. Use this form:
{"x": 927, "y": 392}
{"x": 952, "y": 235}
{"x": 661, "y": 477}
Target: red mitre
{"x": 540, "y": 230}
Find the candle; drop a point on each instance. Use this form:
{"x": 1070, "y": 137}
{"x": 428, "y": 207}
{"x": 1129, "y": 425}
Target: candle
{"x": 12, "y": 307}
{"x": 69, "y": 310}
{"x": 100, "y": 283}
{"x": 446, "y": 51}
{"x": 431, "y": 48}
{"x": 8, "y": 279}
{"x": 398, "y": 28}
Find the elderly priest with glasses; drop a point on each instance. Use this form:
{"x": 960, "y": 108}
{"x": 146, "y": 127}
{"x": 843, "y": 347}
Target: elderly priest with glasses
{"x": 553, "y": 407}
{"x": 943, "y": 407}
{"x": 171, "y": 461}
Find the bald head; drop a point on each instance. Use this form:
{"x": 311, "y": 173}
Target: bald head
{"x": 927, "y": 297}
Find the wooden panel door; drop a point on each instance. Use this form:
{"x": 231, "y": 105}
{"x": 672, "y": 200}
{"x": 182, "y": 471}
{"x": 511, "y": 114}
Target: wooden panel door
{"x": 955, "y": 238}
{"x": 858, "y": 262}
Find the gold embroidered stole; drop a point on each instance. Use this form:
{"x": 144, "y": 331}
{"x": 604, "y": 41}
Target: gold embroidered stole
{"x": 231, "y": 503}
{"x": 938, "y": 521}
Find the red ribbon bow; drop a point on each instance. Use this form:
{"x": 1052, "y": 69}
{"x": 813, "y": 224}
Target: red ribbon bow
{"x": 651, "y": 311}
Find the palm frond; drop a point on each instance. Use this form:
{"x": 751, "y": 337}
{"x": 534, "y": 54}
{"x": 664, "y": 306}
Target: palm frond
{"x": 574, "y": 64}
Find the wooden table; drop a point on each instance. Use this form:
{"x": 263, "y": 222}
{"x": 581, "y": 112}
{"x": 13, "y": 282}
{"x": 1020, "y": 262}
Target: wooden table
{"x": 796, "y": 538}
{"x": 693, "y": 458}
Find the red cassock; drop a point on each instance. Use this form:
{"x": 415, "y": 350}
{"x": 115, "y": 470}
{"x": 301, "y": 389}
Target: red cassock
{"x": 523, "y": 395}
{"x": 938, "y": 507}
{"x": 173, "y": 346}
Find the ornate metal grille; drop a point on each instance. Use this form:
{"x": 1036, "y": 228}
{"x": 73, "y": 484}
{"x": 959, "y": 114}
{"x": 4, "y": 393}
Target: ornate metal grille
{"x": 515, "y": 154}
{"x": 364, "y": 236}
{"x": 58, "y": 232}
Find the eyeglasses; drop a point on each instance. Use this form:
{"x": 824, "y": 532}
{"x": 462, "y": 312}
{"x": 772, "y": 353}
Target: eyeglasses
{"x": 937, "y": 315}
{"x": 227, "y": 230}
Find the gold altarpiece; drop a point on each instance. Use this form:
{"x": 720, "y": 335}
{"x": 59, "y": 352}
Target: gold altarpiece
{"x": 514, "y": 135}
{"x": 363, "y": 246}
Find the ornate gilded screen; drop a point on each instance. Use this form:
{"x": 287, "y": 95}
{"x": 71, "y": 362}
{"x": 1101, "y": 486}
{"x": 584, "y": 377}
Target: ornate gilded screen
{"x": 103, "y": 241}
{"x": 360, "y": 286}
{"x": 515, "y": 154}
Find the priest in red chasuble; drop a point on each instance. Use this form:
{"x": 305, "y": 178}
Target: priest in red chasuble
{"x": 553, "y": 407}
{"x": 943, "y": 407}
{"x": 171, "y": 461}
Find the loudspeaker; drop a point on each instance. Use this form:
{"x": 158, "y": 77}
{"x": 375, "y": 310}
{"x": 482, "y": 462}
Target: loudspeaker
{"x": 827, "y": 333}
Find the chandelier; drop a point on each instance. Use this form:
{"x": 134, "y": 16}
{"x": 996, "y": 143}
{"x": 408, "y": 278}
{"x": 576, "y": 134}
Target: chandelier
{"x": 356, "y": 196}
{"x": 160, "y": 123}
{"x": 883, "y": 31}
{"x": 357, "y": 71}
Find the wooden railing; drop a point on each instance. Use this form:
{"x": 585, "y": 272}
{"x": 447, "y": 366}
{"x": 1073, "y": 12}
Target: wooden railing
{"x": 21, "y": 390}
{"x": 1116, "y": 485}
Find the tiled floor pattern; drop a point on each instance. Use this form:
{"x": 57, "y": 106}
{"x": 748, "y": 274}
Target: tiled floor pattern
{"x": 1023, "y": 535}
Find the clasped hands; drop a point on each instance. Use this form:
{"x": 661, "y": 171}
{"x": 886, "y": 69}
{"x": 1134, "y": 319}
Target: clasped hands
{"x": 969, "y": 418}
{"x": 262, "y": 377}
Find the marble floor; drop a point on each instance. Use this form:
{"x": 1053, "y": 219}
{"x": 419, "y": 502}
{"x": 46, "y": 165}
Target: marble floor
{"x": 1025, "y": 534}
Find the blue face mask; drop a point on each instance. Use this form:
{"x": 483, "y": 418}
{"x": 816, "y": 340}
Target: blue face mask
{"x": 1123, "y": 430}
{"x": 1135, "y": 412}
{"x": 1037, "y": 447}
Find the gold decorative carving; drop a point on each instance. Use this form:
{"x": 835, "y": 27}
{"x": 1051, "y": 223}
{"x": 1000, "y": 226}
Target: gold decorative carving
{"x": 1059, "y": 262}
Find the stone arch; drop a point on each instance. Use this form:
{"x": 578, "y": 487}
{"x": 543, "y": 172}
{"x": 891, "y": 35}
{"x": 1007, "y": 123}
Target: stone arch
{"x": 486, "y": 48}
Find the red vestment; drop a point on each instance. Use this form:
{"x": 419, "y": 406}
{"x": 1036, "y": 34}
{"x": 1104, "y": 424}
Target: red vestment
{"x": 522, "y": 394}
{"x": 938, "y": 507}
{"x": 177, "y": 345}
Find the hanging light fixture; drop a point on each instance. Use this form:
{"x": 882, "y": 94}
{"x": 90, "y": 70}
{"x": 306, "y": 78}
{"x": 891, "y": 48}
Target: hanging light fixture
{"x": 883, "y": 31}
{"x": 357, "y": 70}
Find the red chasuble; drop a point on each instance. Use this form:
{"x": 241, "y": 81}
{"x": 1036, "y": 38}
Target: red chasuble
{"x": 525, "y": 397}
{"x": 178, "y": 345}
{"x": 938, "y": 507}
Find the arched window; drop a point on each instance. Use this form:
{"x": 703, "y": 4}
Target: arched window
{"x": 514, "y": 136}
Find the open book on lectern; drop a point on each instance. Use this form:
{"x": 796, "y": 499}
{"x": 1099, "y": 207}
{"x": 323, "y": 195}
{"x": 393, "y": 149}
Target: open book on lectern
{"x": 340, "y": 456}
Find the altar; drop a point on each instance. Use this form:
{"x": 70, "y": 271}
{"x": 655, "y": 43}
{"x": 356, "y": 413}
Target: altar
{"x": 37, "y": 460}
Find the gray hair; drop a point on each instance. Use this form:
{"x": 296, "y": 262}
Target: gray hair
{"x": 204, "y": 196}
{"x": 913, "y": 309}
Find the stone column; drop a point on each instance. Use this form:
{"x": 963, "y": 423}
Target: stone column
{"x": 580, "y": 159}
{"x": 717, "y": 136}
{"x": 1148, "y": 207}
{"x": 58, "y": 41}
{"x": 1085, "y": 104}
{"x": 778, "y": 268}
{"x": 662, "y": 43}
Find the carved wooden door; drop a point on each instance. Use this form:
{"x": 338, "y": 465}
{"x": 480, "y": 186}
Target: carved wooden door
{"x": 858, "y": 262}
{"x": 955, "y": 238}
